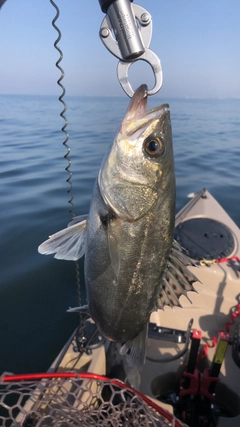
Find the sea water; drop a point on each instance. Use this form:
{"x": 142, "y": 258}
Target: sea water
{"x": 35, "y": 290}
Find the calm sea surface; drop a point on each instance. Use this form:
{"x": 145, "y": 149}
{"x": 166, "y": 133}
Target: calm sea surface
{"x": 35, "y": 291}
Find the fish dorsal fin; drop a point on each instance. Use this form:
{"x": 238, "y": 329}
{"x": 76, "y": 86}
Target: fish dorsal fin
{"x": 177, "y": 279}
{"x": 68, "y": 244}
{"x": 135, "y": 350}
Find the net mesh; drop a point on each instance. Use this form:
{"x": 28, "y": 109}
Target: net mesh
{"x": 76, "y": 402}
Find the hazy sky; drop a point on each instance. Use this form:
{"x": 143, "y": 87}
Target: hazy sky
{"x": 198, "y": 42}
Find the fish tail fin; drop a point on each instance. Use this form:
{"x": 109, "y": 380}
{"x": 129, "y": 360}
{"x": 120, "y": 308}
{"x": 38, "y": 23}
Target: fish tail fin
{"x": 135, "y": 350}
{"x": 177, "y": 280}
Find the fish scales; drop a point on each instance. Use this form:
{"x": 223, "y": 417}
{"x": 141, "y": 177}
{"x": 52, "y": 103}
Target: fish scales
{"x": 132, "y": 264}
{"x": 121, "y": 305}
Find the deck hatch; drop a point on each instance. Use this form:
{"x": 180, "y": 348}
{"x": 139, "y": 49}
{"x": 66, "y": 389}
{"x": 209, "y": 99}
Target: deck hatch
{"x": 205, "y": 238}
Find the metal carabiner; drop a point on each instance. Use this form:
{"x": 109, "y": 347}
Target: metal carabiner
{"x": 131, "y": 25}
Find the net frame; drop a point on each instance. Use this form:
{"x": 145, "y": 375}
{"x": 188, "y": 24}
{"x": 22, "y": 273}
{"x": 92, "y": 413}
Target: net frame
{"x": 122, "y": 405}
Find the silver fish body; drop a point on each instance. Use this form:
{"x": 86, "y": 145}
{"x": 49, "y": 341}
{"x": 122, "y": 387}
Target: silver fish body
{"x": 133, "y": 235}
{"x": 132, "y": 266}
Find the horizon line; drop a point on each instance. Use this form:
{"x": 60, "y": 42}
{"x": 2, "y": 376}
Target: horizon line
{"x": 186, "y": 97}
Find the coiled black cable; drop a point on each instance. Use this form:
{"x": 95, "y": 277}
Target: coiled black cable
{"x": 62, "y": 114}
{"x": 65, "y": 143}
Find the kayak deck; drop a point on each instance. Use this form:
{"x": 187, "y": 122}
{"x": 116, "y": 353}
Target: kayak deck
{"x": 217, "y": 297}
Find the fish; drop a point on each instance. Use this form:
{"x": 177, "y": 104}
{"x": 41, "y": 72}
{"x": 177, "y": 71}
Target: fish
{"x": 132, "y": 266}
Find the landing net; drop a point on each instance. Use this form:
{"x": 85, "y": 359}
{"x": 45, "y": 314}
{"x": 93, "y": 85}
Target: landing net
{"x": 70, "y": 399}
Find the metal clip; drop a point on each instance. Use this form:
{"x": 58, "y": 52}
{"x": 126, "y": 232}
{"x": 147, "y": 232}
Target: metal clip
{"x": 131, "y": 25}
{"x": 154, "y": 62}
{"x": 207, "y": 262}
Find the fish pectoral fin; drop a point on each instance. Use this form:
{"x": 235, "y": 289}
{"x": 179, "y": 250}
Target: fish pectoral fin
{"x": 83, "y": 309}
{"x": 68, "y": 244}
{"x": 135, "y": 350}
{"x": 177, "y": 280}
{"x": 113, "y": 247}
{"x": 77, "y": 220}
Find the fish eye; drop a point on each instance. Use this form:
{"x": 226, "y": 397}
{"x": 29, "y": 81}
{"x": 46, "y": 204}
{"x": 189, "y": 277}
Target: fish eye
{"x": 154, "y": 147}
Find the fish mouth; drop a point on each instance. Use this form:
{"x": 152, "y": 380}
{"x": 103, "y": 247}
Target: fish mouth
{"x": 138, "y": 105}
{"x": 137, "y": 117}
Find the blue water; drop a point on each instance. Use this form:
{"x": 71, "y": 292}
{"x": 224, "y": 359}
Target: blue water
{"x": 35, "y": 291}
